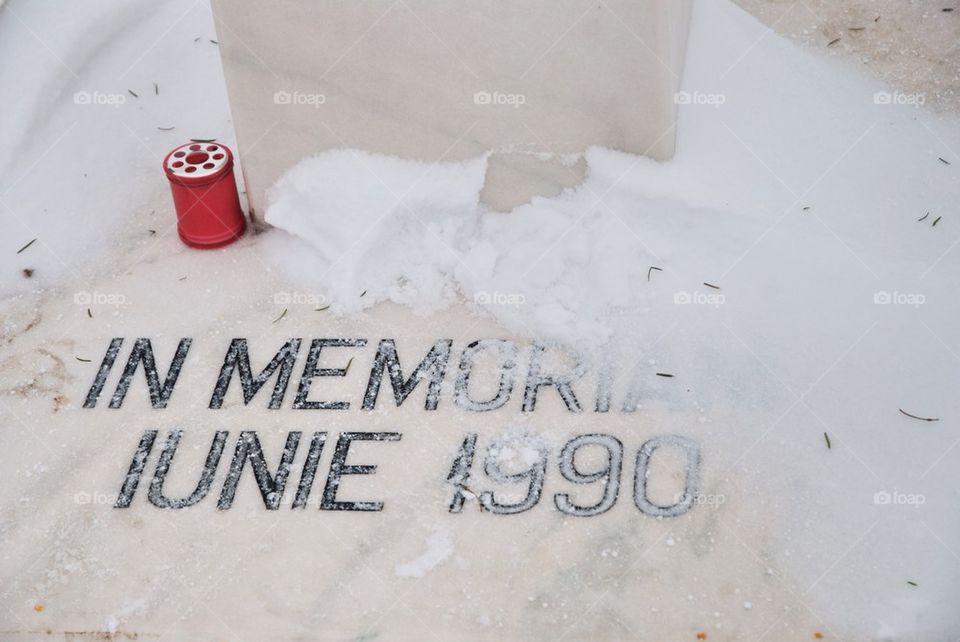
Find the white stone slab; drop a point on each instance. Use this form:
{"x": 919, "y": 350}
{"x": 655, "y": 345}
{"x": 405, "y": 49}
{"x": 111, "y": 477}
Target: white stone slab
{"x": 534, "y": 82}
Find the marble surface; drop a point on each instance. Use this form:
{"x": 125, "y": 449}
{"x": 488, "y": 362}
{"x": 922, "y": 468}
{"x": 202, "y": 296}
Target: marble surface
{"x": 533, "y": 82}
{"x": 414, "y": 571}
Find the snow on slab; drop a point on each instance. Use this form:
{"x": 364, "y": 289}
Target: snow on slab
{"x": 439, "y": 548}
{"x": 779, "y": 149}
{"x": 783, "y": 266}
{"x": 352, "y": 210}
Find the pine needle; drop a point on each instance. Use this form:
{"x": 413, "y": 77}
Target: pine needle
{"x": 904, "y": 412}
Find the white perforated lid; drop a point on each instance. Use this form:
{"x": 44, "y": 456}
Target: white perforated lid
{"x": 197, "y": 160}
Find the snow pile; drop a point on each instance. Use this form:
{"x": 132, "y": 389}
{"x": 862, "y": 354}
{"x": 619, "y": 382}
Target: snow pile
{"x": 381, "y": 224}
{"x": 392, "y": 229}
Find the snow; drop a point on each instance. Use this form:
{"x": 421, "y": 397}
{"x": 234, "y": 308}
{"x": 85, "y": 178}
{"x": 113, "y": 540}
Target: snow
{"x": 80, "y": 153}
{"x": 132, "y": 607}
{"x": 439, "y": 549}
